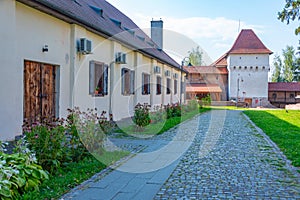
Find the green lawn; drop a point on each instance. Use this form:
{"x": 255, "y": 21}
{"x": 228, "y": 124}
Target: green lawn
{"x": 72, "y": 175}
{"x": 283, "y": 128}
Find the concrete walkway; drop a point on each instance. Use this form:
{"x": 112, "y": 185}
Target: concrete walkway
{"x": 218, "y": 155}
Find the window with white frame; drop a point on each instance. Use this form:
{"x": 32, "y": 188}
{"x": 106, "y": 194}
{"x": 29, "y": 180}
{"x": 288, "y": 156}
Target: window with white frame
{"x": 98, "y": 83}
{"x": 175, "y": 86}
{"x": 168, "y": 91}
{"x": 158, "y": 85}
{"x": 145, "y": 83}
{"x": 127, "y": 81}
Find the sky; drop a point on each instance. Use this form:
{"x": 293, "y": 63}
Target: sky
{"x": 211, "y": 25}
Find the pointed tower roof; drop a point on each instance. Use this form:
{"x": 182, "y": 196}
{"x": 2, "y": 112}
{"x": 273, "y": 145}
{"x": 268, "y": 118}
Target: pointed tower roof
{"x": 248, "y": 43}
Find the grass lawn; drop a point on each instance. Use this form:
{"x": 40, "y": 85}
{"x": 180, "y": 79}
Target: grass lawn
{"x": 160, "y": 127}
{"x": 72, "y": 175}
{"x": 283, "y": 128}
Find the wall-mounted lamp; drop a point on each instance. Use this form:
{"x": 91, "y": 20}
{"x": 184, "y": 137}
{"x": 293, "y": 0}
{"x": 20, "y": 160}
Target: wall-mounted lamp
{"x": 45, "y": 48}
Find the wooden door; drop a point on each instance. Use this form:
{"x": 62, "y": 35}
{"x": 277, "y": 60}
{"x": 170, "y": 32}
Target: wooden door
{"x": 39, "y": 91}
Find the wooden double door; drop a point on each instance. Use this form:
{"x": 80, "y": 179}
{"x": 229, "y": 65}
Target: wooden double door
{"x": 39, "y": 91}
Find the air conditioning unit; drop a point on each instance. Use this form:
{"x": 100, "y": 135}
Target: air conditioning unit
{"x": 167, "y": 73}
{"x": 157, "y": 69}
{"x": 85, "y": 46}
{"x": 175, "y": 75}
{"x": 120, "y": 58}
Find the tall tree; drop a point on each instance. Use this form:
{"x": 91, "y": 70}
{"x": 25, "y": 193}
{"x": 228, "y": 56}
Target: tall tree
{"x": 276, "y": 76}
{"x": 289, "y": 63}
{"x": 195, "y": 57}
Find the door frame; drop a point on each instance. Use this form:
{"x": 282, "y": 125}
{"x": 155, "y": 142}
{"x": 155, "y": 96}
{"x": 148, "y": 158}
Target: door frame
{"x": 56, "y": 86}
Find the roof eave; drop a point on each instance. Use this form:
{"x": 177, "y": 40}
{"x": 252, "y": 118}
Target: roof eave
{"x": 74, "y": 20}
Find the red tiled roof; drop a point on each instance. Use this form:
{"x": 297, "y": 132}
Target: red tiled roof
{"x": 205, "y": 70}
{"x": 222, "y": 61}
{"x": 203, "y": 88}
{"x": 248, "y": 43}
{"x": 289, "y": 87}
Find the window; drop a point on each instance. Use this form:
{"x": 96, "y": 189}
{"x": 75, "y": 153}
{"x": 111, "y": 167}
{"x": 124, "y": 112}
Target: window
{"x": 292, "y": 96}
{"x": 127, "y": 81}
{"x": 168, "y": 86}
{"x": 175, "y": 86}
{"x": 158, "y": 85}
{"x": 183, "y": 87}
{"x": 145, "y": 83}
{"x": 98, "y": 79}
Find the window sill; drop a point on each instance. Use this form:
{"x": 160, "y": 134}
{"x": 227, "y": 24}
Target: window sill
{"x": 98, "y": 95}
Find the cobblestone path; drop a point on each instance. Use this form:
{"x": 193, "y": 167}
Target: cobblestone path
{"x": 230, "y": 159}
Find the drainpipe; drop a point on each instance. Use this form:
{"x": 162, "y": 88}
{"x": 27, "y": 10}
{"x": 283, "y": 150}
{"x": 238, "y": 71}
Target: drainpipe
{"x": 111, "y": 84}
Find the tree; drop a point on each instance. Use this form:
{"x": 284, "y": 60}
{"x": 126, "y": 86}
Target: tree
{"x": 286, "y": 70}
{"x": 195, "y": 57}
{"x": 289, "y": 63}
{"x": 276, "y": 76}
{"x": 290, "y": 12}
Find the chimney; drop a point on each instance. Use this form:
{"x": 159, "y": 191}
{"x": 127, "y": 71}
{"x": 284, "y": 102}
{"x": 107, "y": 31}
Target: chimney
{"x": 157, "y": 32}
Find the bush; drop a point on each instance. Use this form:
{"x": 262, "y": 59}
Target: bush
{"x": 173, "y": 110}
{"x": 141, "y": 115}
{"x": 48, "y": 140}
{"x": 158, "y": 115}
{"x": 89, "y": 130}
{"x": 106, "y": 125}
{"x": 206, "y": 101}
{"x": 63, "y": 141}
{"x": 191, "y": 105}
{"x": 19, "y": 172}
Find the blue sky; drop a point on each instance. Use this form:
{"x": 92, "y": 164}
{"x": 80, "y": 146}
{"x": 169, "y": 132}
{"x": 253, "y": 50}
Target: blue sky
{"x": 213, "y": 25}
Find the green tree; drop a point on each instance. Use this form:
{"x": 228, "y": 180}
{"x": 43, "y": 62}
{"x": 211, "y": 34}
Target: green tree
{"x": 289, "y": 63}
{"x": 276, "y": 76}
{"x": 290, "y": 12}
{"x": 195, "y": 57}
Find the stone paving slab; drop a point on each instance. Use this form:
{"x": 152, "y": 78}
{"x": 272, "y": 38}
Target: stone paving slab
{"x": 239, "y": 164}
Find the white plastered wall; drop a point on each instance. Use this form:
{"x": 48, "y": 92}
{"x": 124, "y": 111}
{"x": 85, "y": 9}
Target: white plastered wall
{"x": 250, "y": 73}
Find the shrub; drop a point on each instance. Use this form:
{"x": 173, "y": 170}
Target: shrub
{"x": 89, "y": 129}
{"x": 173, "y": 110}
{"x": 141, "y": 115}
{"x": 191, "y": 105}
{"x": 206, "y": 100}
{"x": 158, "y": 115}
{"x": 48, "y": 140}
{"x": 106, "y": 125}
{"x": 75, "y": 147}
{"x": 19, "y": 172}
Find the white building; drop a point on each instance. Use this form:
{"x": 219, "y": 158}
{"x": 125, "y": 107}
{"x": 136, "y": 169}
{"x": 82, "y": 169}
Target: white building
{"x": 59, "y": 54}
{"x": 248, "y": 67}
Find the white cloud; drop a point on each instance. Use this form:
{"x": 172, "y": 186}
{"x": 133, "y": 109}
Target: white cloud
{"x": 214, "y": 35}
